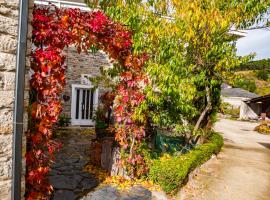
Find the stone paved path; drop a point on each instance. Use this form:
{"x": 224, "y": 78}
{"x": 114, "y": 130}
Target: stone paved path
{"x": 71, "y": 183}
{"x": 67, "y": 176}
{"x": 111, "y": 193}
{"x": 134, "y": 193}
{"x": 240, "y": 172}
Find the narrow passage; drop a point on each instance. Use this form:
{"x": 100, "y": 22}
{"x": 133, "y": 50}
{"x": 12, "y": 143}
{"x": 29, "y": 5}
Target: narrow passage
{"x": 67, "y": 176}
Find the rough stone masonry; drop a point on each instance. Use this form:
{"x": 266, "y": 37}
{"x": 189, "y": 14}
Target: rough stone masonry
{"x": 8, "y": 43}
{"x": 9, "y": 19}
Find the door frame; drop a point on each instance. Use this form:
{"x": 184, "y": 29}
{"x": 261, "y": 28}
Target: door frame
{"x": 78, "y": 122}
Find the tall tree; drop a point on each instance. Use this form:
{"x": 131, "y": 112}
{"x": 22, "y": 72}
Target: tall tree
{"x": 191, "y": 50}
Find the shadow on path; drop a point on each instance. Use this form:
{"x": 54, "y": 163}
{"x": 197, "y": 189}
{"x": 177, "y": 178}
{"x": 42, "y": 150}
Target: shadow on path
{"x": 67, "y": 176}
{"x": 240, "y": 172}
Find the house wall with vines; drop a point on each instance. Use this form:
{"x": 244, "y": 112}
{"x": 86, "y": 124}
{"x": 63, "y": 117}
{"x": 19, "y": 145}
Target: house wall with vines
{"x": 79, "y": 64}
{"x": 9, "y": 16}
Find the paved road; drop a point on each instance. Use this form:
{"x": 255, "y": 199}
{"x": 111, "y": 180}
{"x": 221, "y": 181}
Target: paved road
{"x": 240, "y": 172}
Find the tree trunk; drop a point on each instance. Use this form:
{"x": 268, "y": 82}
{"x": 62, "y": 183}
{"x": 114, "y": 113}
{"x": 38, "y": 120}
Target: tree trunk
{"x": 116, "y": 168}
{"x": 106, "y": 154}
{"x": 206, "y": 109}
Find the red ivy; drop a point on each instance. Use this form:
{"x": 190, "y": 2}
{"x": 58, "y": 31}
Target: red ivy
{"x": 53, "y": 30}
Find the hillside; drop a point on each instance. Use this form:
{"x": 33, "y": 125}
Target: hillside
{"x": 263, "y": 64}
{"x": 253, "y": 83}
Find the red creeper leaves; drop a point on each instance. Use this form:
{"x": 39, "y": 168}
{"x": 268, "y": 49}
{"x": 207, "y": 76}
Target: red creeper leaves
{"x": 53, "y": 30}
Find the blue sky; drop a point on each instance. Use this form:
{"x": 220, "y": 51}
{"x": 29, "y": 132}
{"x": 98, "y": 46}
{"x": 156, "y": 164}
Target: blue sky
{"x": 257, "y": 41}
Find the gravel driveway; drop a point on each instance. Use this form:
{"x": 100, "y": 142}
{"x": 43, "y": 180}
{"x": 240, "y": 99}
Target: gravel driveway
{"x": 240, "y": 172}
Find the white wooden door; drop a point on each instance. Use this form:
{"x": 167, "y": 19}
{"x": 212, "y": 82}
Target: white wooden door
{"x": 83, "y": 104}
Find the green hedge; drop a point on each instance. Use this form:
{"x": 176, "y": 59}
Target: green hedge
{"x": 170, "y": 172}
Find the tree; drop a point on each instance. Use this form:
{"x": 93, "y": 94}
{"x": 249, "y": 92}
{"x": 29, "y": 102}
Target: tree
{"x": 190, "y": 51}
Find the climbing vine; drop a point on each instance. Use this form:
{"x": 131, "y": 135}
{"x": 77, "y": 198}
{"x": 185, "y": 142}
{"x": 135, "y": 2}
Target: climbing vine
{"x": 53, "y": 30}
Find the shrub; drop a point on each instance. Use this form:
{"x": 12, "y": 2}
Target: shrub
{"x": 170, "y": 171}
{"x": 63, "y": 120}
{"x": 256, "y": 64}
{"x": 246, "y": 84}
{"x": 262, "y": 74}
{"x": 224, "y": 106}
{"x": 228, "y": 109}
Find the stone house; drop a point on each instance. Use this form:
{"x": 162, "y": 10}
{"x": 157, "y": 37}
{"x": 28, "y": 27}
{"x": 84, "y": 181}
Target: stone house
{"x": 79, "y": 98}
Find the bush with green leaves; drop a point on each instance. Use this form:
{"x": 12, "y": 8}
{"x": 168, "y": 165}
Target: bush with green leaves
{"x": 170, "y": 172}
{"x": 190, "y": 52}
{"x": 228, "y": 109}
{"x": 262, "y": 74}
{"x": 256, "y": 65}
{"x": 245, "y": 83}
{"x": 63, "y": 120}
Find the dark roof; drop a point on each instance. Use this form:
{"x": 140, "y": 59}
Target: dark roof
{"x": 238, "y": 92}
{"x": 225, "y": 85}
{"x": 262, "y": 99}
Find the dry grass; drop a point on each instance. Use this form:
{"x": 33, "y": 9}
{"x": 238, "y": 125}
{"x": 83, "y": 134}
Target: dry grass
{"x": 263, "y": 87}
{"x": 263, "y": 128}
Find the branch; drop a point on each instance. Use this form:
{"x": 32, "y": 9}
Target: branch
{"x": 132, "y": 145}
{"x": 206, "y": 109}
{"x": 258, "y": 27}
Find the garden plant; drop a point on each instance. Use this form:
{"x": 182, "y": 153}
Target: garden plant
{"x": 170, "y": 59}
{"x": 53, "y": 30}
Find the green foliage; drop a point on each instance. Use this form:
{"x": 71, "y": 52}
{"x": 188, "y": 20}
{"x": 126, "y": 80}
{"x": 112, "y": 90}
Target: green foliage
{"x": 244, "y": 83}
{"x": 262, "y": 86}
{"x": 190, "y": 51}
{"x": 224, "y": 106}
{"x": 262, "y": 74}
{"x": 170, "y": 172}
{"x": 263, "y": 64}
{"x": 100, "y": 119}
{"x": 100, "y": 125}
{"x": 63, "y": 120}
{"x": 228, "y": 109}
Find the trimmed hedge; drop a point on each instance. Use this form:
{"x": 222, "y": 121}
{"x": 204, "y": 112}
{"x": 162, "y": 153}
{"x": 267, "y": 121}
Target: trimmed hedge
{"x": 170, "y": 172}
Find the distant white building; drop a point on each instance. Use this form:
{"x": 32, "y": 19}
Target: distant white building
{"x": 235, "y": 96}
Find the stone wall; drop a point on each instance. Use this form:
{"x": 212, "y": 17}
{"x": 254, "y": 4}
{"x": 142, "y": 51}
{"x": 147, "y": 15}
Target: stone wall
{"x": 82, "y": 64}
{"x": 9, "y": 15}
{"x": 8, "y": 44}
{"x": 78, "y": 64}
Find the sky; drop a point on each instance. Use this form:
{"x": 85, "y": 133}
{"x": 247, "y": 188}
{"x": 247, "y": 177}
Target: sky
{"x": 257, "y": 41}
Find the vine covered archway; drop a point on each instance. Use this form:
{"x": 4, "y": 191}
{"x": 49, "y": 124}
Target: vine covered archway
{"x": 53, "y": 30}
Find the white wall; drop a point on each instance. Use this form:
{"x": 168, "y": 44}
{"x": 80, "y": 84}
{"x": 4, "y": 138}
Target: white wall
{"x": 246, "y": 112}
{"x": 234, "y": 101}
